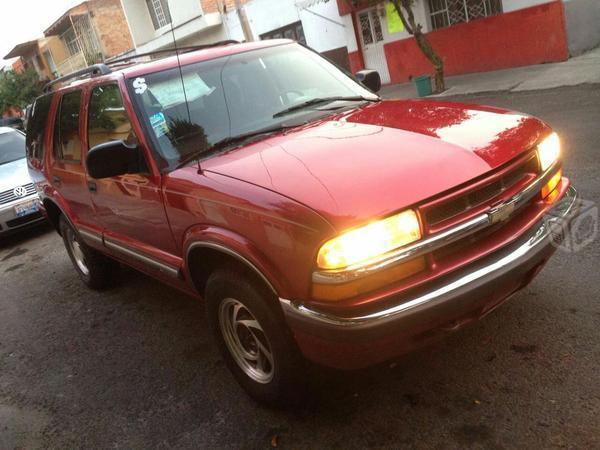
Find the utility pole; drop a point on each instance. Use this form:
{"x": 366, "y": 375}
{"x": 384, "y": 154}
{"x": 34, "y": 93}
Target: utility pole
{"x": 244, "y": 21}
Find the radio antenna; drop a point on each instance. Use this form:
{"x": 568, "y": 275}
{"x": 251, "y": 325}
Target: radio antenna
{"x": 187, "y": 106}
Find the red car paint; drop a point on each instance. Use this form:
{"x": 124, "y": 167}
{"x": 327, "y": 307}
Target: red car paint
{"x": 276, "y": 201}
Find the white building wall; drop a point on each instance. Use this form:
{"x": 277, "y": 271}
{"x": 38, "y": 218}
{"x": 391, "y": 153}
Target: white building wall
{"x": 513, "y": 5}
{"x": 191, "y": 26}
{"x": 350, "y": 34}
{"x": 322, "y": 33}
{"x": 323, "y": 26}
{"x": 139, "y": 21}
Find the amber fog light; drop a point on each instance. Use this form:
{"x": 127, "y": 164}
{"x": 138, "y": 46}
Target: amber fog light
{"x": 551, "y": 185}
{"x": 369, "y": 283}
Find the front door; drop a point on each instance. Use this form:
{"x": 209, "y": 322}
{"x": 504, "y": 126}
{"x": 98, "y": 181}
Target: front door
{"x": 371, "y": 32}
{"x": 129, "y": 208}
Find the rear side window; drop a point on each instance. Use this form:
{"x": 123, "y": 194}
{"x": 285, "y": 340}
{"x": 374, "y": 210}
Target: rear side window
{"x": 67, "y": 144}
{"x": 107, "y": 119}
{"x": 36, "y": 127}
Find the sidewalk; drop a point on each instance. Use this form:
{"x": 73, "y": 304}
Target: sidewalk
{"x": 582, "y": 69}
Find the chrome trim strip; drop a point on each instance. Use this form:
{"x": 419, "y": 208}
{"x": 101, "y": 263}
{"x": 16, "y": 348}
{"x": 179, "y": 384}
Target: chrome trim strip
{"x": 91, "y": 236}
{"x": 234, "y": 254}
{"x": 438, "y": 240}
{"x": 567, "y": 206}
{"x": 158, "y": 265}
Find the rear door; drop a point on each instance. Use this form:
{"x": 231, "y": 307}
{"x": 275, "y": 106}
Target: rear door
{"x": 130, "y": 207}
{"x": 67, "y": 174}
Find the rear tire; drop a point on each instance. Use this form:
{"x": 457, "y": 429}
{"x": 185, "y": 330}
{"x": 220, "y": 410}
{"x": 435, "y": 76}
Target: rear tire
{"x": 253, "y": 338}
{"x": 95, "y": 270}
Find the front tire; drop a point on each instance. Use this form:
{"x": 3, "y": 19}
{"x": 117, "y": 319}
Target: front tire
{"x": 95, "y": 270}
{"x": 253, "y": 338}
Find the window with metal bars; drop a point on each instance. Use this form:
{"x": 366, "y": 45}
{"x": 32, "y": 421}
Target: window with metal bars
{"x": 444, "y": 13}
{"x": 159, "y": 13}
{"x": 70, "y": 40}
{"x": 370, "y": 27}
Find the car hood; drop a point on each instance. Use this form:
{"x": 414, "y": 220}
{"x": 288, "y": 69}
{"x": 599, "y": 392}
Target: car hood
{"x": 380, "y": 158}
{"x": 14, "y": 174}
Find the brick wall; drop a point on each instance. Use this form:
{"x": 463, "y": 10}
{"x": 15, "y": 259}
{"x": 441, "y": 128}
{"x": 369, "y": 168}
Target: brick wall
{"x": 111, "y": 26}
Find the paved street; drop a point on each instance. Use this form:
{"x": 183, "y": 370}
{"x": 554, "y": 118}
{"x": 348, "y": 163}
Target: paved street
{"x": 135, "y": 367}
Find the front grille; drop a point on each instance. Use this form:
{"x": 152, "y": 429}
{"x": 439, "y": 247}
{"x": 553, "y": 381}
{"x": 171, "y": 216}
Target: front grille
{"x": 9, "y": 196}
{"x": 458, "y": 205}
{"x": 23, "y": 220}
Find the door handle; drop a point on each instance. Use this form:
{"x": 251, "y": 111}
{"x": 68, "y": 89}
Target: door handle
{"x": 56, "y": 179}
{"x": 92, "y": 186}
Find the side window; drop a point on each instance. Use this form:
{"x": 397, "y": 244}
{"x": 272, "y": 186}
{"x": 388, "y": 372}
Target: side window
{"x": 67, "y": 144}
{"x": 107, "y": 118}
{"x": 36, "y": 127}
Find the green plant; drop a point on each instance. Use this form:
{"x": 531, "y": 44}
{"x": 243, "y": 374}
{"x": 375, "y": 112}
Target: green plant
{"x": 17, "y": 90}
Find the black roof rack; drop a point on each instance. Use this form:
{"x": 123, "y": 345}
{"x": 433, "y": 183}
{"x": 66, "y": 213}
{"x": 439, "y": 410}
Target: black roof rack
{"x": 93, "y": 71}
{"x": 172, "y": 50}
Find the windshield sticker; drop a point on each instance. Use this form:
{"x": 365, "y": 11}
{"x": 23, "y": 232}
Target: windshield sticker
{"x": 170, "y": 92}
{"x": 159, "y": 124}
{"x": 140, "y": 86}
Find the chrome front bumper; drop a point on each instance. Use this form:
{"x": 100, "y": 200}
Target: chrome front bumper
{"x": 456, "y": 291}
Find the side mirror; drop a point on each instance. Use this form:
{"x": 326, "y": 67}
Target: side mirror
{"x": 370, "y": 79}
{"x": 114, "y": 158}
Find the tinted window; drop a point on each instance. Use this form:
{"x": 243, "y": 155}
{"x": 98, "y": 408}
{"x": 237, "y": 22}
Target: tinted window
{"x": 107, "y": 119}
{"x": 12, "y": 146}
{"x": 67, "y": 145}
{"x": 36, "y": 126}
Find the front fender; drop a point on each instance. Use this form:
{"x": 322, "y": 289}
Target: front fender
{"x": 238, "y": 247}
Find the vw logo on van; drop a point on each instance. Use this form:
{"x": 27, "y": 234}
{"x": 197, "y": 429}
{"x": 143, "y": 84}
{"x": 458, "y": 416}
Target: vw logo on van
{"x": 20, "y": 191}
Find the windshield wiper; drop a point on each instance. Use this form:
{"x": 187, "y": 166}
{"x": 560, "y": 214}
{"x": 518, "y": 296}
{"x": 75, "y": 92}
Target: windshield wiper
{"x": 229, "y": 141}
{"x": 318, "y": 100}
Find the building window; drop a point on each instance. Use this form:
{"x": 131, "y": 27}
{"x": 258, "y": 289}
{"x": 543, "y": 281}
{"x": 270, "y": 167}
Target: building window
{"x": 370, "y": 27}
{"x": 292, "y": 31}
{"x": 444, "y": 13}
{"x": 71, "y": 42}
{"x": 159, "y": 13}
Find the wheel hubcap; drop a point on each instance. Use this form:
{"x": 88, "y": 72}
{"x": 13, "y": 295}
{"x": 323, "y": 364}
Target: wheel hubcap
{"x": 78, "y": 255}
{"x": 246, "y": 340}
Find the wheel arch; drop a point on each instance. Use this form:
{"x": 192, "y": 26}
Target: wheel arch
{"x": 203, "y": 257}
{"x": 53, "y": 213}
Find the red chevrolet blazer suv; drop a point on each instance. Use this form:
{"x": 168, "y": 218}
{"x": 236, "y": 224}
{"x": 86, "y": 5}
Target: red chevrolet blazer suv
{"x": 317, "y": 221}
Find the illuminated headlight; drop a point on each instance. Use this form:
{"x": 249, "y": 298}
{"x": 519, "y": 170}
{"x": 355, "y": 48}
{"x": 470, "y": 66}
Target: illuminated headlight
{"x": 548, "y": 151}
{"x": 370, "y": 241}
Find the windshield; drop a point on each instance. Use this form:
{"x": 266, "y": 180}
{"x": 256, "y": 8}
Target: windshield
{"x": 237, "y": 95}
{"x": 12, "y": 146}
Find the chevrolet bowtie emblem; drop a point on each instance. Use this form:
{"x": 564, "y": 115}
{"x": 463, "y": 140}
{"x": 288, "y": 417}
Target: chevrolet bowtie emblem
{"x": 501, "y": 212}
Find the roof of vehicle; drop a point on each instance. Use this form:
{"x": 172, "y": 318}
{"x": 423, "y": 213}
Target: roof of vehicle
{"x": 142, "y": 68}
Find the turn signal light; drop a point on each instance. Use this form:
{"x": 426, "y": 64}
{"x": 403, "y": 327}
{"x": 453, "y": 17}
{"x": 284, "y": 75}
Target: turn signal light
{"x": 551, "y": 185}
